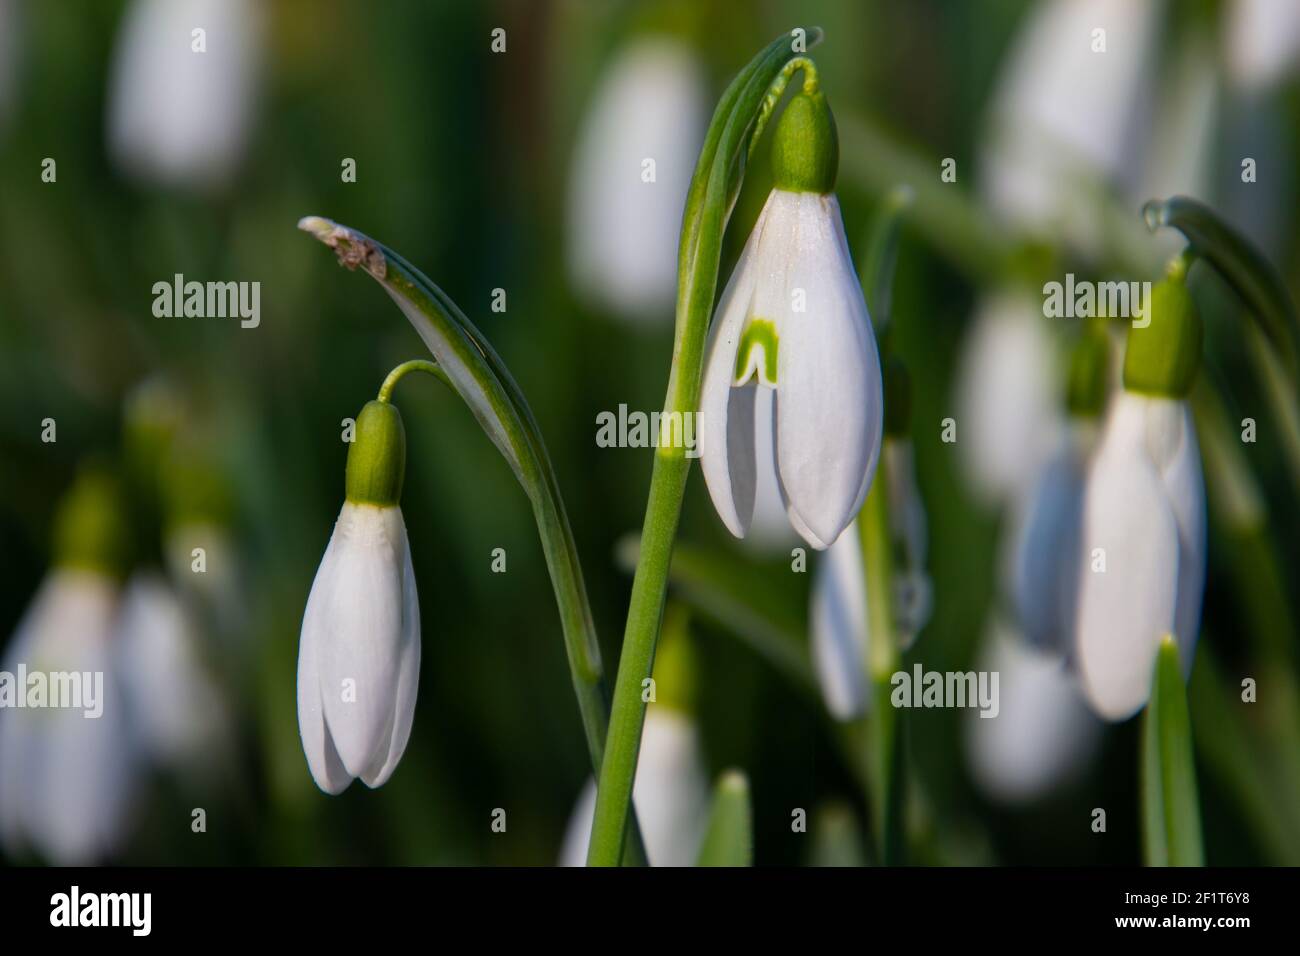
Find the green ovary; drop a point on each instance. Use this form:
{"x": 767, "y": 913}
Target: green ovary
{"x": 758, "y": 334}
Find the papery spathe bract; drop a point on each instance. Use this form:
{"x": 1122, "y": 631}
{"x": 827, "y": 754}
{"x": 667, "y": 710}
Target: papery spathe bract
{"x": 1144, "y": 515}
{"x": 671, "y": 793}
{"x": 67, "y": 776}
{"x": 793, "y": 319}
{"x": 178, "y": 116}
{"x": 359, "y": 654}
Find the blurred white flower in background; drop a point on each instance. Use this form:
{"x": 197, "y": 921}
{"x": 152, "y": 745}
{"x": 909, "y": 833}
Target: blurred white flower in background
{"x": 67, "y": 779}
{"x": 217, "y": 587}
{"x": 177, "y": 713}
{"x": 177, "y": 117}
{"x": 1262, "y": 41}
{"x": 1044, "y": 734}
{"x": 671, "y": 794}
{"x": 623, "y": 231}
{"x": 1066, "y": 116}
{"x": 1006, "y": 390}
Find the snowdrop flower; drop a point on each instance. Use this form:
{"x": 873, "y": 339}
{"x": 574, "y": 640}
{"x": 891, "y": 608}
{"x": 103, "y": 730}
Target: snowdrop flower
{"x": 177, "y": 712}
{"x": 179, "y": 115}
{"x": 1067, "y": 113}
{"x": 839, "y": 620}
{"x": 792, "y": 319}
{"x": 631, "y": 171}
{"x": 1043, "y": 571}
{"x": 67, "y": 773}
{"x": 359, "y": 654}
{"x": 1044, "y": 733}
{"x": 1006, "y": 396}
{"x": 671, "y": 790}
{"x": 1143, "y": 530}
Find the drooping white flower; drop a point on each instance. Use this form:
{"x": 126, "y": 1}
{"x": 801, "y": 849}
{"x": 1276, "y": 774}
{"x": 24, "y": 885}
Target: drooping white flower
{"x": 1067, "y": 112}
{"x": 839, "y": 620}
{"x": 67, "y": 777}
{"x": 1144, "y": 515}
{"x": 359, "y": 653}
{"x": 671, "y": 794}
{"x": 178, "y": 116}
{"x": 359, "y": 656}
{"x": 1006, "y": 396}
{"x": 1043, "y": 733}
{"x": 631, "y": 171}
{"x": 792, "y": 318}
{"x": 177, "y": 713}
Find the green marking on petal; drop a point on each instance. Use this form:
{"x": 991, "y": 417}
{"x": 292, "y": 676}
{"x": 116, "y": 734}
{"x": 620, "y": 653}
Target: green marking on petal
{"x": 759, "y": 337}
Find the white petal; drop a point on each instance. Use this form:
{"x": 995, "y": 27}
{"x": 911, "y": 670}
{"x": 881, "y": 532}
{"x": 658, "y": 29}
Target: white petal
{"x": 726, "y": 424}
{"x": 1043, "y": 734}
{"x": 408, "y": 681}
{"x": 1044, "y": 570}
{"x": 829, "y": 402}
{"x": 770, "y": 529}
{"x": 1126, "y": 609}
{"x": 839, "y": 627}
{"x": 1185, "y": 488}
{"x": 176, "y": 116}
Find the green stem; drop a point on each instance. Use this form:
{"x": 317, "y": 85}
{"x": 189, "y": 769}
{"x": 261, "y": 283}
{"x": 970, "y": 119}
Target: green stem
{"x": 737, "y": 124}
{"x": 1171, "y": 813}
{"x": 882, "y": 661}
{"x": 414, "y": 365}
{"x": 468, "y": 363}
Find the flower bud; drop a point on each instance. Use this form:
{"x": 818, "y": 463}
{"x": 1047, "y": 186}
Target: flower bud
{"x": 377, "y": 458}
{"x": 1162, "y": 357}
{"x": 805, "y": 146}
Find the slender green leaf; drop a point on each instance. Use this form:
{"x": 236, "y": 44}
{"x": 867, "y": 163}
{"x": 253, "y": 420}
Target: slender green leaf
{"x": 1171, "y": 812}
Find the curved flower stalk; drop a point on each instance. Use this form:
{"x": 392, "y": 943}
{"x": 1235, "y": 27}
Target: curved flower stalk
{"x": 67, "y": 773}
{"x": 1043, "y": 572}
{"x": 737, "y": 122}
{"x": 467, "y": 363}
{"x": 623, "y": 228}
{"x": 1044, "y": 733}
{"x": 1143, "y": 528}
{"x": 1274, "y": 335}
{"x": 176, "y": 117}
{"x": 1006, "y": 395}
